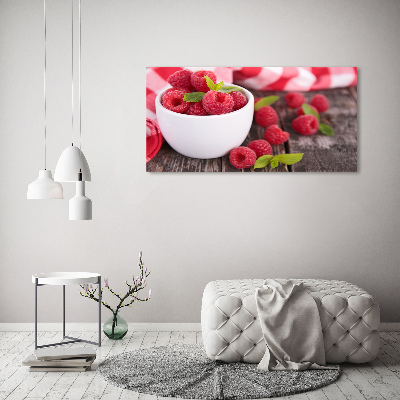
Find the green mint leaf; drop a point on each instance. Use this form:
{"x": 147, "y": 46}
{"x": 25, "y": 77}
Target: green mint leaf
{"x": 219, "y": 86}
{"x": 262, "y": 161}
{"x": 326, "y": 130}
{"x": 229, "y": 89}
{"x": 265, "y": 101}
{"x": 309, "y": 111}
{"x": 211, "y": 85}
{"x": 274, "y": 163}
{"x": 193, "y": 97}
{"x": 288, "y": 159}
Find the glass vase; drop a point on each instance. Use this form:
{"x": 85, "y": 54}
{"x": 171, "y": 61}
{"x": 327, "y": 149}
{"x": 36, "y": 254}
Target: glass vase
{"x": 115, "y": 327}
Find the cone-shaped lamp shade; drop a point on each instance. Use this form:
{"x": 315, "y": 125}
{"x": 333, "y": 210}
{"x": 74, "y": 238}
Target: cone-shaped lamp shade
{"x": 44, "y": 187}
{"x": 80, "y": 206}
{"x": 71, "y": 161}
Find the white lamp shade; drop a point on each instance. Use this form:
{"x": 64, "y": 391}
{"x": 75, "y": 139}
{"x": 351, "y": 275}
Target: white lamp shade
{"x": 71, "y": 161}
{"x": 80, "y": 206}
{"x": 44, "y": 187}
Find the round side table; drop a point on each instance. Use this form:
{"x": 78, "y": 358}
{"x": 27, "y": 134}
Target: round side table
{"x": 62, "y": 279}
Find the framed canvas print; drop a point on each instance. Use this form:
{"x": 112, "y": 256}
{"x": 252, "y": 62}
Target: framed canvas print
{"x": 251, "y": 119}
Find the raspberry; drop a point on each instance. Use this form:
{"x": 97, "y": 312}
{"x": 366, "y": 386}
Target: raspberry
{"x": 181, "y": 80}
{"x": 173, "y": 100}
{"x": 275, "y": 135}
{"x": 294, "y": 99}
{"x": 196, "y": 109}
{"x": 242, "y": 157}
{"x": 320, "y": 102}
{"x": 239, "y": 100}
{"x": 260, "y": 147}
{"x": 305, "y": 124}
{"x": 171, "y": 89}
{"x": 199, "y": 82}
{"x": 301, "y": 112}
{"x": 266, "y": 116}
{"x": 217, "y": 102}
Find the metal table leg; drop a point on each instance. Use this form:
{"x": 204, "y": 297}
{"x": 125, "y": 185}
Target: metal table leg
{"x": 36, "y": 286}
{"x": 63, "y": 311}
{"x": 100, "y": 297}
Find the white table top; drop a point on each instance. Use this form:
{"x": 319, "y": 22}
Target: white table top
{"x": 65, "y": 278}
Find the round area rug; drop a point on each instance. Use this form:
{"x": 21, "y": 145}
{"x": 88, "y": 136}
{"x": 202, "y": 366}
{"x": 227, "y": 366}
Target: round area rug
{"x": 185, "y": 371}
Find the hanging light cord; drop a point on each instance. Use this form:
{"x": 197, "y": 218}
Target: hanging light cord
{"x": 72, "y": 69}
{"x": 79, "y": 80}
{"x": 44, "y": 83}
{"x": 79, "y": 89}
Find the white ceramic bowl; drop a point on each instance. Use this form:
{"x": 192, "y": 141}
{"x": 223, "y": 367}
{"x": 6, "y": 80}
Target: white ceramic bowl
{"x": 208, "y": 136}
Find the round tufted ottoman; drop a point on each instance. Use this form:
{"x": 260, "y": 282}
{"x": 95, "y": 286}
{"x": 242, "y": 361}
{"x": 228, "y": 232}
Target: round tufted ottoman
{"x": 231, "y": 330}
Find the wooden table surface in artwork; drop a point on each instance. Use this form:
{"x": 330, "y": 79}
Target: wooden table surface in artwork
{"x": 322, "y": 153}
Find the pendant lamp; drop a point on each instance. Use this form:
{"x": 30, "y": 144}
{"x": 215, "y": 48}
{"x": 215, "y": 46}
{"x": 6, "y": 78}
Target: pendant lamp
{"x": 80, "y": 206}
{"x": 72, "y": 165}
{"x": 44, "y": 186}
{"x": 72, "y": 162}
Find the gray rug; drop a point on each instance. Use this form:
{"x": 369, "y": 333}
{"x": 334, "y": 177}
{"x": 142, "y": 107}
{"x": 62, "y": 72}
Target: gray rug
{"x": 185, "y": 371}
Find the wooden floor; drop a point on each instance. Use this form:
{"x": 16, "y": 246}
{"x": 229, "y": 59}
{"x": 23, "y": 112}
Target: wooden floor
{"x": 379, "y": 379}
{"x": 321, "y": 153}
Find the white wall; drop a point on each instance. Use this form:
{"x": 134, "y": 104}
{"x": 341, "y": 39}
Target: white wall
{"x": 192, "y": 228}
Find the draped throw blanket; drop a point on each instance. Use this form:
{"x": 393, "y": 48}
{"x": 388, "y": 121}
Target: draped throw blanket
{"x": 291, "y": 327}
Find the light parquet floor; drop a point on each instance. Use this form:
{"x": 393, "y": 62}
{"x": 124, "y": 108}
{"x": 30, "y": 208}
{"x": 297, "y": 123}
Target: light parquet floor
{"x": 379, "y": 379}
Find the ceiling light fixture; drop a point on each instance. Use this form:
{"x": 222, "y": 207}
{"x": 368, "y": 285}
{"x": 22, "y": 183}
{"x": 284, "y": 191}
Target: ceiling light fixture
{"x": 72, "y": 165}
{"x": 44, "y": 186}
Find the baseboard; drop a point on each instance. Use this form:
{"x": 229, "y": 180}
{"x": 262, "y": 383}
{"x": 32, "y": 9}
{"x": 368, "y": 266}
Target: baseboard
{"x": 390, "y": 326}
{"x": 138, "y": 327}
{"x": 92, "y": 327}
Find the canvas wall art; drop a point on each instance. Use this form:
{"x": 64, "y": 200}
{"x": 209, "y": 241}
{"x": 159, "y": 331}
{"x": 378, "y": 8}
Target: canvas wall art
{"x": 251, "y": 119}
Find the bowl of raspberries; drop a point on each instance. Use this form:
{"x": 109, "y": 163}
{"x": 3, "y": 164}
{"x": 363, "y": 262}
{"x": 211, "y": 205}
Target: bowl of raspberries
{"x": 202, "y": 118}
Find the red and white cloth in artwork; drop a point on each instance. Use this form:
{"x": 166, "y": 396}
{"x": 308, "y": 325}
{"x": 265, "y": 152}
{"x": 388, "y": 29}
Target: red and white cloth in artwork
{"x": 257, "y": 78}
{"x": 154, "y": 139}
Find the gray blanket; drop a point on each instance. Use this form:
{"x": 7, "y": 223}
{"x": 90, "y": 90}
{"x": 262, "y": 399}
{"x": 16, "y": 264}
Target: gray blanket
{"x": 291, "y": 327}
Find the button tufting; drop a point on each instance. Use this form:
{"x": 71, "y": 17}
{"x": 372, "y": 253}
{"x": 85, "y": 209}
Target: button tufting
{"x": 329, "y": 295}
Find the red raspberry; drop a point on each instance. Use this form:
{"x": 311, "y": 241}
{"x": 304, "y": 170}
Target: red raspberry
{"x": 199, "y": 82}
{"x": 239, "y": 100}
{"x": 242, "y": 157}
{"x": 217, "y": 102}
{"x": 301, "y": 112}
{"x": 173, "y": 100}
{"x": 171, "y": 89}
{"x": 266, "y": 116}
{"x": 275, "y": 135}
{"x": 260, "y": 147}
{"x": 196, "y": 109}
{"x": 320, "y": 102}
{"x": 181, "y": 79}
{"x": 294, "y": 99}
{"x": 305, "y": 124}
